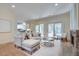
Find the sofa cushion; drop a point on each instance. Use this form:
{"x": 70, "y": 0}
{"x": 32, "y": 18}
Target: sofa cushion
{"x": 30, "y": 43}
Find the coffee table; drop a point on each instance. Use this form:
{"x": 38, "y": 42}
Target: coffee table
{"x": 47, "y": 43}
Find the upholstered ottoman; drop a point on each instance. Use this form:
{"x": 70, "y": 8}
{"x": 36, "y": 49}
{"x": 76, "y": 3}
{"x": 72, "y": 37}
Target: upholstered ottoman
{"x": 30, "y": 45}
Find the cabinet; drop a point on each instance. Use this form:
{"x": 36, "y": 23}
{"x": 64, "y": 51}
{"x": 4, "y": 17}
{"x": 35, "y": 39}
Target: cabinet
{"x": 77, "y": 42}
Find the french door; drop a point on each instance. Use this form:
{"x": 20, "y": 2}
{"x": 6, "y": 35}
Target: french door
{"x": 54, "y": 29}
{"x": 40, "y": 29}
{"x": 50, "y": 30}
{"x": 58, "y": 29}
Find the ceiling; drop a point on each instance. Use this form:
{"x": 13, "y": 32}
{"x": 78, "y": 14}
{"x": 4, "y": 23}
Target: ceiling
{"x": 31, "y": 11}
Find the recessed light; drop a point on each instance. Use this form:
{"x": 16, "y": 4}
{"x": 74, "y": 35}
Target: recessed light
{"x": 56, "y": 4}
{"x": 13, "y": 6}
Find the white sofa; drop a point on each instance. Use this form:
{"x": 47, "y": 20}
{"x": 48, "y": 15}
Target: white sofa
{"x": 28, "y": 44}
{"x": 36, "y": 38}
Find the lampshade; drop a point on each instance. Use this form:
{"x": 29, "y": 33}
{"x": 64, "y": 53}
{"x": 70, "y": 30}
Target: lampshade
{"x": 28, "y": 29}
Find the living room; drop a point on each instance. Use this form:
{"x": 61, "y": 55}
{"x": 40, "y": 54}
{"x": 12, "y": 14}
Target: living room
{"x": 37, "y": 29}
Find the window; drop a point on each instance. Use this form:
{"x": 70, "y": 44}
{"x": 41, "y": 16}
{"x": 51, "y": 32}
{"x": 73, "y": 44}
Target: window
{"x": 21, "y": 26}
{"x": 50, "y": 30}
{"x": 37, "y": 28}
{"x": 54, "y": 29}
{"x": 40, "y": 28}
{"x": 58, "y": 29}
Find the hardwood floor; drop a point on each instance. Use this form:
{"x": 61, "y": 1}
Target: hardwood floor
{"x": 10, "y": 50}
{"x": 59, "y": 49}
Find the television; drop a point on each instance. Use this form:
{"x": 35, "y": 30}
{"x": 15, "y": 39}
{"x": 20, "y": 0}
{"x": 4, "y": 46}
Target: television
{"x": 21, "y": 27}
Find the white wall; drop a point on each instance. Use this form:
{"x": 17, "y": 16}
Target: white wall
{"x": 63, "y": 18}
{"x": 77, "y": 14}
{"x": 73, "y": 19}
{"x": 6, "y": 14}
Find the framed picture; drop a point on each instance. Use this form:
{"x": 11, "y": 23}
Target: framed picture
{"x": 5, "y": 26}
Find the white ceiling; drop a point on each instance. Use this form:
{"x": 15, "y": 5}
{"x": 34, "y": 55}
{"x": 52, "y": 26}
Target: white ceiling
{"x": 30, "y": 11}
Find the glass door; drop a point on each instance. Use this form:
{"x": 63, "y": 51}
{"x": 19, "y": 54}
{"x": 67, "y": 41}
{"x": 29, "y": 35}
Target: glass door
{"x": 55, "y": 29}
{"x": 40, "y": 29}
{"x": 37, "y": 28}
{"x": 50, "y": 30}
{"x": 58, "y": 29}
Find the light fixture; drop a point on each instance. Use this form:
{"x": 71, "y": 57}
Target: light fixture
{"x": 56, "y": 4}
{"x": 24, "y": 23}
{"x": 28, "y": 29}
{"x": 13, "y": 6}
